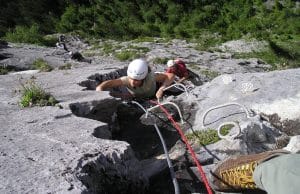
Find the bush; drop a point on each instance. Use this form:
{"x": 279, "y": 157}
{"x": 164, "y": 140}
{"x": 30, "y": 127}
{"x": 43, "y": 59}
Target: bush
{"x": 23, "y": 34}
{"x": 42, "y": 65}
{"x": 33, "y": 95}
{"x": 49, "y": 40}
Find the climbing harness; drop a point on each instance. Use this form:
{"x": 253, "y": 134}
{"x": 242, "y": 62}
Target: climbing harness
{"x": 235, "y": 123}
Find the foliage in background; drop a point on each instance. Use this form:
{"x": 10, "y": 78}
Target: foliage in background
{"x": 25, "y": 34}
{"x": 157, "y": 18}
{"x": 34, "y": 95}
{"x": 44, "y": 13}
{"x": 32, "y": 35}
{"x": 207, "y": 22}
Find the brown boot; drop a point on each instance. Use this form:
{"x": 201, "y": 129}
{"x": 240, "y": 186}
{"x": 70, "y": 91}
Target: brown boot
{"x": 235, "y": 173}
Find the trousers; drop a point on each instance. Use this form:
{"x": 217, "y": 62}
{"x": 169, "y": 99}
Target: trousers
{"x": 280, "y": 175}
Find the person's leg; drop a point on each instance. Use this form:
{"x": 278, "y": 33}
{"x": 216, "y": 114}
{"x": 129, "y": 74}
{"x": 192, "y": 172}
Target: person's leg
{"x": 279, "y": 175}
{"x": 236, "y": 173}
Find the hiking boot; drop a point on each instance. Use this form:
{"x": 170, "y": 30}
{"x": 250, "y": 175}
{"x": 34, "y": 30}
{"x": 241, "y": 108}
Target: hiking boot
{"x": 235, "y": 173}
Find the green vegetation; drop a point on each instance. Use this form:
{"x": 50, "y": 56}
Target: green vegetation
{"x": 143, "y": 20}
{"x": 4, "y": 70}
{"x": 32, "y": 35}
{"x": 282, "y": 54}
{"x": 225, "y": 129}
{"x": 206, "y": 137}
{"x": 144, "y": 39}
{"x": 207, "y": 40}
{"x": 34, "y": 95}
{"x": 108, "y": 48}
{"x": 25, "y": 34}
{"x": 127, "y": 55}
{"x": 160, "y": 60}
{"x": 131, "y": 52}
{"x": 209, "y": 73}
{"x": 139, "y": 48}
{"x": 42, "y": 65}
{"x": 65, "y": 66}
{"x": 205, "y": 22}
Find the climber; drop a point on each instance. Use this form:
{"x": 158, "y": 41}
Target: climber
{"x": 140, "y": 81}
{"x": 62, "y": 43}
{"x": 178, "y": 68}
{"x": 275, "y": 172}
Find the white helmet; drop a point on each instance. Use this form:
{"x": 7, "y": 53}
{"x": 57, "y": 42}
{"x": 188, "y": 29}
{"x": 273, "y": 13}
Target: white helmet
{"x": 170, "y": 63}
{"x": 137, "y": 69}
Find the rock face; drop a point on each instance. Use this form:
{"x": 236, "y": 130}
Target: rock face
{"x": 72, "y": 148}
{"x": 50, "y": 150}
{"x": 251, "y": 101}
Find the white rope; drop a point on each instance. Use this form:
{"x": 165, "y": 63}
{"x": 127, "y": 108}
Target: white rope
{"x": 171, "y": 103}
{"x": 232, "y": 136}
{"x": 178, "y": 86}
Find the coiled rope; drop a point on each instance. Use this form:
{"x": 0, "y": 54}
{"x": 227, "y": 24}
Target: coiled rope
{"x": 236, "y": 124}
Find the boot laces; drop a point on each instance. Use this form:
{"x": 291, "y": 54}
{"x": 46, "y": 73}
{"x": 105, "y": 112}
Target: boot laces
{"x": 240, "y": 176}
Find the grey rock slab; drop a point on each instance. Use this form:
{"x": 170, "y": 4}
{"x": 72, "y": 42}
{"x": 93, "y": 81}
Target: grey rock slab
{"x": 243, "y": 46}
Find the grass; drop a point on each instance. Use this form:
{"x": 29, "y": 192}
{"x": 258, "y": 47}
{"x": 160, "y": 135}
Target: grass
{"x": 131, "y": 52}
{"x": 139, "y": 48}
{"x": 206, "y": 137}
{"x": 160, "y": 60}
{"x": 144, "y": 39}
{"x": 4, "y": 70}
{"x": 31, "y": 35}
{"x": 207, "y": 40}
{"x": 109, "y": 48}
{"x": 151, "y": 39}
{"x": 127, "y": 55}
{"x": 42, "y": 65}
{"x": 34, "y": 95}
{"x": 209, "y": 73}
{"x": 65, "y": 66}
{"x": 225, "y": 129}
{"x": 203, "y": 137}
{"x": 282, "y": 53}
